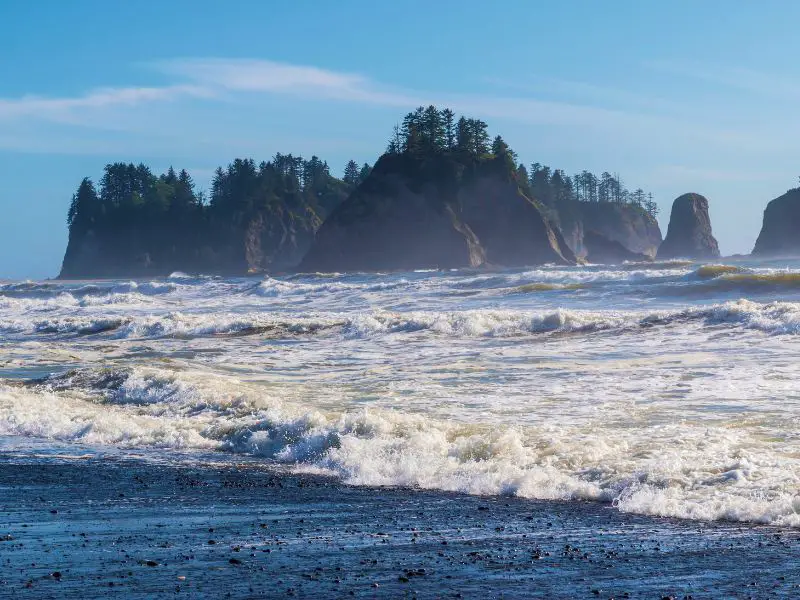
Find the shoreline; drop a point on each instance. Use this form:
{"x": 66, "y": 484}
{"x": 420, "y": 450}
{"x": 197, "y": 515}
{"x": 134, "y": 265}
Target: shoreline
{"x": 95, "y": 527}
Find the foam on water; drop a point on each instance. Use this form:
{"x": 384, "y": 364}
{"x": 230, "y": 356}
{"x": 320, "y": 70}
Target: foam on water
{"x": 774, "y": 317}
{"x": 651, "y": 386}
{"x": 681, "y": 469}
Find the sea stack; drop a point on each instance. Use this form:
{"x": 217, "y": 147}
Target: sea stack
{"x": 439, "y": 211}
{"x": 780, "y": 231}
{"x": 689, "y": 232}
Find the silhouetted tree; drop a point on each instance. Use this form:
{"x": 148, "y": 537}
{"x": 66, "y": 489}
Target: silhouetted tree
{"x": 364, "y": 172}
{"x": 84, "y": 210}
{"x": 351, "y": 173}
{"x": 448, "y": 121}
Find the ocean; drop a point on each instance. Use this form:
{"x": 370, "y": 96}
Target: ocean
{"x": 664, "y": 389}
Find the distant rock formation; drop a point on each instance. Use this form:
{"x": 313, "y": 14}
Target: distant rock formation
{"x": 601, "y": 250}
{"x": 441, "y": 211}
{"x": 260, "y": 218}
{"x": 780, "y": 231}
{"x": 689, "y": 233}
{"x": 628, "y": 224}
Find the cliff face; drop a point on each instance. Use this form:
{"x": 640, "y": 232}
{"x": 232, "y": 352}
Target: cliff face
{"x": 438, "y": 212}
{"x": 628, "y": 225}
{"x": 780, "y": 231}
{"x": 273, "y": 238}
{"x": 689, "y": 234}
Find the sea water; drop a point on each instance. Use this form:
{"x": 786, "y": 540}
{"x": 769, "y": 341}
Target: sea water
{"x": 667, "y": 388}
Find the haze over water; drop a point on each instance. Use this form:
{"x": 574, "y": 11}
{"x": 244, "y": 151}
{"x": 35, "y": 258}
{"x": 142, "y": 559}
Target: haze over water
{"x": 665, "y": 388}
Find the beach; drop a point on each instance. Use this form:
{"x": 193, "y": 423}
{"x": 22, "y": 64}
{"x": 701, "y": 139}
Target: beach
{"x": 95, "y": 526}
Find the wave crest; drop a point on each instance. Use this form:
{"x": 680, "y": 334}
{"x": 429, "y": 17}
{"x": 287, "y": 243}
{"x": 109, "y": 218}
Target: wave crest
{"x": 681, "y": 470}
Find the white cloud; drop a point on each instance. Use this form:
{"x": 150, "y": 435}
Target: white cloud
{"x": 133, "y": 109}
{"x": 70, "y": 109}
{"x": 244, "y": 75}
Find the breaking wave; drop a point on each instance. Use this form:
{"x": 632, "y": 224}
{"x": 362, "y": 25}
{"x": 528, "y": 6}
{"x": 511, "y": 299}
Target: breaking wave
{"x": 773, "y": 318}
{"x": 681, "y": 470}
{"x": 592, "y": 383}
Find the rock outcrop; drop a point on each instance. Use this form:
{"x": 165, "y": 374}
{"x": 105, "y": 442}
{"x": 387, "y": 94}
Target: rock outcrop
{"x": 602, "y": 250}
{"x": 628, "y": 224}
{"x": 442, "y": 211}
{"x": 689, "y": 233}
{"x": 780, "y": 231}
{"x": 272, "y": 239}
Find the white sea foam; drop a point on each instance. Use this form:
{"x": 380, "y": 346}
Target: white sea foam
{"x": 681, "y": 470}
{"x": 773, "y": 318}
{"x": 565, "y": 383}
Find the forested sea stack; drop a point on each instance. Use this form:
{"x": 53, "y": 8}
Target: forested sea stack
{"x": 689, "y": 233}
{"x": 443, "y": 195}
{"x": 780, "y": 231}
{"x": 440, "y": 197}
{"x": 260, "y": 217}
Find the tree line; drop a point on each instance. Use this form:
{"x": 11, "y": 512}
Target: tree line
{"x": 429, "y": 130}
{"x": 130, "y": 194}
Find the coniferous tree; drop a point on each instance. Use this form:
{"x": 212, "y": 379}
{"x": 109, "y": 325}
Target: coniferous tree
{"x": 84, "y": 210}
{"x": 480, "y": 136}
{"x": 499, "y": 146}
{"x": 464, "y": 138}
{"x": 395, "y": 145}
{"x": 523, "y": 180}
{"x": 351, "y": 173}
{"x": 364, "y": 173}
{"x": 448, "y": 121}
{"x": 433, "y": 130}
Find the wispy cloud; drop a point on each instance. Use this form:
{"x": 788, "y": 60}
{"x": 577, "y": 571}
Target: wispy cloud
{"x": 585, "y": 115}
{"x": 243, "y": 75}
{"x": 210, "y": 79}
{"x": 68, "y": 109}
{"x": 738, "y": 78}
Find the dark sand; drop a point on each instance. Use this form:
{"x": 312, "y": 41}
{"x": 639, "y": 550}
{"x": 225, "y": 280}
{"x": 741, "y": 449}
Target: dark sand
{"x": 111, "y": 528}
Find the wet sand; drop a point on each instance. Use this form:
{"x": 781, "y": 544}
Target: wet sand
{"x": 113, "y": 528}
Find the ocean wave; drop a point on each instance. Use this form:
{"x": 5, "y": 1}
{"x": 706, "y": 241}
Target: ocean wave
{"x": 775, "y": 318}
{"x": 713, "y": 271}
{"x": 682, "y": 470}
{"x": 277, "y": 287}
{"x": 640, "y": 274}
{"x": 708, "y": 280}
{"x": 772, "y": 318}
{"x": 86, "y": 295}
{"x": 170, "y": 325}
{"x": 546, "y": 287}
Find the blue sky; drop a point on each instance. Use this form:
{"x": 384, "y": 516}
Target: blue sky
{"x": 675, "y": 96}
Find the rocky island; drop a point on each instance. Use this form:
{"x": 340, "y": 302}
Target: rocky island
{"x": 780, "y": 232}
{"x": 444, "y": 211}
{"x": 443, "y": 195}
{"x": 689, "y": 233}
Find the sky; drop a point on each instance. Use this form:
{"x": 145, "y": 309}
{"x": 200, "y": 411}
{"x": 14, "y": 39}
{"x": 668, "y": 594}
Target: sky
{"x": 680, "y": 96}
